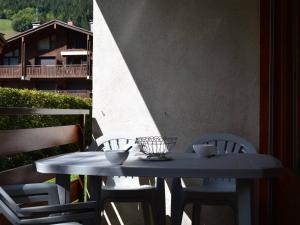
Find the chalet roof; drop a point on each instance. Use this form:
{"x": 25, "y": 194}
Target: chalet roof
{"x": 2, "y": 40}
{"x": 49, "y": 24}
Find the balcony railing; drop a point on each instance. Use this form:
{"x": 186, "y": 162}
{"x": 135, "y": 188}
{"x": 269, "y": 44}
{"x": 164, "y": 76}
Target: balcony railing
{"x": 45, "y": 71}
{"x": 7, "y": 71}
{"x": 57, "y": 71}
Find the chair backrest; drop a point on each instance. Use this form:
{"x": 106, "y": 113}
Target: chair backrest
{"x": 226, "y": 143}
{"x": 14, "y": 198}
{"x": 9, "y": 208}
{"x": 115, "y": 141}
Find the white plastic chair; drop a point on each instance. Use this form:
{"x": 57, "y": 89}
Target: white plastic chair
{"x": 14, "y": 196}
{"x": 129, "y": 189}
{"x": 213, "y": 191}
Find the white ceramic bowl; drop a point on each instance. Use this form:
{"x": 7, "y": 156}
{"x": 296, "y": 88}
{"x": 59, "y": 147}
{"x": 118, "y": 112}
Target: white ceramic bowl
{"x": 204, "y": 150}
{"x": 116, "y": 157}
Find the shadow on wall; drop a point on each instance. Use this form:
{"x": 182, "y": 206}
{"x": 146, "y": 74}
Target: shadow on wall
{"x": 194, "y": 63}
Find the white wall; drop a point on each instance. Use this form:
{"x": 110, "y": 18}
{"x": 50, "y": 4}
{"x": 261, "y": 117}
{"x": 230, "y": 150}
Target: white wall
{"x": 177, "y": 67}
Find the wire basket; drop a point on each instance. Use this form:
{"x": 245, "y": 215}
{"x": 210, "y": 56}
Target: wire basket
{"x": 156, "y": 145}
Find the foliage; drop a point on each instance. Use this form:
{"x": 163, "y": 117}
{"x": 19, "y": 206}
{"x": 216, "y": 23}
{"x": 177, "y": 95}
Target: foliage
{"x": 6, "y": 28}
{"x": 79, "y": 11}
{"x": 23, "y": 20}
{"x": 6, "y": 14}
{"x": 35, "y": 99}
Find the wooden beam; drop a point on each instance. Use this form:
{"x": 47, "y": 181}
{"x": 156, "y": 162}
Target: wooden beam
{"x": 33, "y": 111}
{"x": 88, "y": 43}
{"x": 23, "y": 57}
{"x": 27, "y": 140}
{"x": 23, "y": 175}
{"x": 46, "y": 25}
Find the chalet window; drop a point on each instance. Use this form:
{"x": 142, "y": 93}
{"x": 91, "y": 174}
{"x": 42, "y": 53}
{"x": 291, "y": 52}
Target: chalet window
{"x": 47, "y": 43}
{"x": 77, "y": 43}
{"x": 44, "y": 44}
{"x": 46, "y": 61}
{"x": 16, "y": 52}
{"x": 12, "y": 57}
{"x": 76, "y": 59}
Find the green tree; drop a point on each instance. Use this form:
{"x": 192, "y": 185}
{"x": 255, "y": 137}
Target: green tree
{"x": 49, "y": 16}
{"x": 80, "y": 11}
{"x": 22, "y": 21}
{"x": 6, "y": 14}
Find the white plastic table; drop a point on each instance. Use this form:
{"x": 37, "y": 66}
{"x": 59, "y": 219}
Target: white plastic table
{"x": 243, "y": 167}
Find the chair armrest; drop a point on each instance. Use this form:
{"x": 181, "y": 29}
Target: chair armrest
{"x": 50, "y": 209}
{"x": 29, "y": 189}
{"x": 38, "y": 192}
{"x": 63, "y": 218}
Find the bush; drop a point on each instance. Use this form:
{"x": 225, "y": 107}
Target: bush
{"x": 36, "y": 99}
{"x": 22, "y": 21}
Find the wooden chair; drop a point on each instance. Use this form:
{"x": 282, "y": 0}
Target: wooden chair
{"x": 213, "y": 191}
{"x": 20, "y": 185}
{"x": 128, "y": 189}
{"x": 14, "y": 196}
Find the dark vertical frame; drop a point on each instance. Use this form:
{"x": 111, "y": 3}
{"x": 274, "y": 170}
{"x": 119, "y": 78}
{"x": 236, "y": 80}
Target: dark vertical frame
{"x": 295, "y": 85}
{"x": 82, "y": 119}
{"x": 267, "y": 20}
{"x": 279, "y": 109}
{"x": 297, "y": 91}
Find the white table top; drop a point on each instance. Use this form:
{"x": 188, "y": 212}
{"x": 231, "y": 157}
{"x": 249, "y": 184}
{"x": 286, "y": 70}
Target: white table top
{"x": 182, "y": 165}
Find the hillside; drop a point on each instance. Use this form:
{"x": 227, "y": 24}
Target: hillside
{"x": 6, "y": 28}
{"x": 79, "y": 11}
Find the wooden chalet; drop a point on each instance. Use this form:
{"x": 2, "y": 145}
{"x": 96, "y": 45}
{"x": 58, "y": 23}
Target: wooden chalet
{"x": 54, "y": 56}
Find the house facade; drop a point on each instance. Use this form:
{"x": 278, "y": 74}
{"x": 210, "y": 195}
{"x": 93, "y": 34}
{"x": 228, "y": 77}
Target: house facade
{"x": 54, "y": 56}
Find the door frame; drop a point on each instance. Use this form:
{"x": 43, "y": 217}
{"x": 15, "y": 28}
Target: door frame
{"x": 279, "y": 97}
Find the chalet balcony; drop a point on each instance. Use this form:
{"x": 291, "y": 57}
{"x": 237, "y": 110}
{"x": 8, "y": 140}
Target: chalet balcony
{"x": 57, "y": 71}
{"x": 9, "y": 72}
{"x": 45, "y": 71}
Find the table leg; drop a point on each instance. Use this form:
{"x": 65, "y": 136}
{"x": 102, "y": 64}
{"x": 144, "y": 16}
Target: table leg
{"x": 94, "y": 184}
{"x": 244, "y": 189}
{"x": 64, "y": 188}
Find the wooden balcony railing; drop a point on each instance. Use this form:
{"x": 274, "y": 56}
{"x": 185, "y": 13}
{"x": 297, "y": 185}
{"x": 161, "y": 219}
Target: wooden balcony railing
{"x": 7, "y": 71}
{"x": 45, "y": 71}
{"x": 57, "y": 71}
{"x": 48, "y": 137}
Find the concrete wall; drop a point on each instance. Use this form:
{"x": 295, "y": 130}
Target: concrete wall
{"x": 177, "y": 67}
